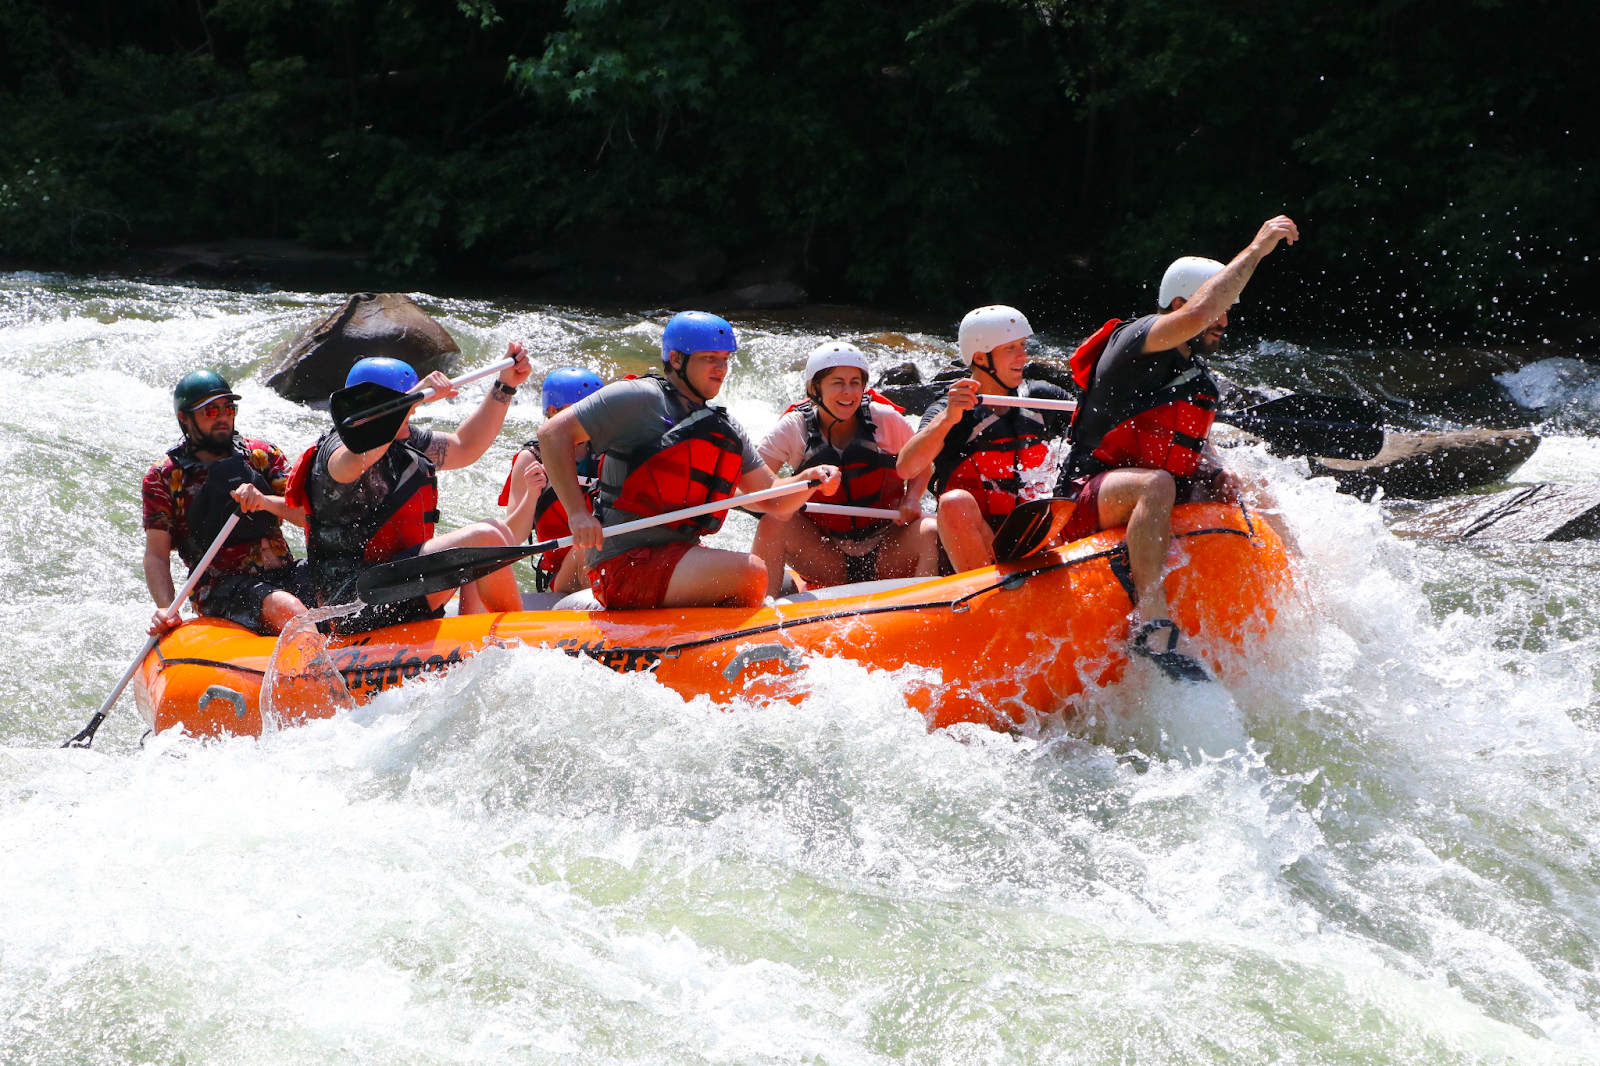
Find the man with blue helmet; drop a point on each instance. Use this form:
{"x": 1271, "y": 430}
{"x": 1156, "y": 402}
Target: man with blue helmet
{"x": 365, "y": 508}
{"x": 664, "y": 448}
{"x": 535, "y": 511}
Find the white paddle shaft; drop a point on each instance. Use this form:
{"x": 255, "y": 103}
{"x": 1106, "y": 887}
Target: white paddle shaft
{"x": 1028, "y": 401}
{"x": 697, "y": 511}
{"x": 471, "y": 376}
{"x": 172, "y": 609}
{"x": 845, "y": 511}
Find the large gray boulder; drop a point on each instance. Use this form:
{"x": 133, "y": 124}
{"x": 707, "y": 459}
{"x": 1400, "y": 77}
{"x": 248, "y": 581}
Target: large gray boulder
{"x": 1427, "y": 466}
{"x": 314, "y": 364}
{"x": 1526, "y": 513}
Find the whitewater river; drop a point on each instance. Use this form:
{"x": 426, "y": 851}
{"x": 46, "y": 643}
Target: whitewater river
{"x": 1381, "y": 847}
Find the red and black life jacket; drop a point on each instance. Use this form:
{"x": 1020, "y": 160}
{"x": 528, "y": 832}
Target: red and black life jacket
{"x": 208, "y": 509}
{"x": 359, "y": 532}
{"x": 998, "y": 446}
{"x": 868, "y": 477}
{"x": 1161, "y": 430}
{"x": 697, "y": 460}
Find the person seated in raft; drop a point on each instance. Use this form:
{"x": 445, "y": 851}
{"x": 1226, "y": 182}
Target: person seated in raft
{"x": 842, "y": 423}
{"x": 664, "y": 448}
{"x": 373, "y": 507}
{"x": 188, "y": 497}
{"x": 535, "y": 513}
{"x": 1139, "y": 436}
{"x": 985, "y": 460}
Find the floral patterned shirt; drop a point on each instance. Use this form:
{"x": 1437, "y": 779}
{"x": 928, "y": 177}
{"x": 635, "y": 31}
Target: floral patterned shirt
{"x": 170, "y": 487}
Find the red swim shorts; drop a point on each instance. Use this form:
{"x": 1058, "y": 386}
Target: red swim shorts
{"x": 637, "y": 579}
{"x": 1086, "y": 516}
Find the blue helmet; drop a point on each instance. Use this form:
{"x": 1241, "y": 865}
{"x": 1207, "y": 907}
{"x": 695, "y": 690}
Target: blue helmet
{"x": 697, "y": 331}
{"x": 568, "y": 384}
{"x": 381, "y": 370}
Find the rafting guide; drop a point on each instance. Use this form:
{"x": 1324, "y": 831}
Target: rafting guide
{"x": 664, "y": 448}
{"x": 188, "y": 496}
{"x": 1139, "y": 437}
{"x": 380, "y": 504}
{"x": 843, "y": 423}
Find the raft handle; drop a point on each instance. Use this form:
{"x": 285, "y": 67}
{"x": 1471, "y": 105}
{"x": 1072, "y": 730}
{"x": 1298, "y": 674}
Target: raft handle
{"x": 788, "y": 657}
{"x": 222, "y": 692}
{"x": 1010, "y": 583}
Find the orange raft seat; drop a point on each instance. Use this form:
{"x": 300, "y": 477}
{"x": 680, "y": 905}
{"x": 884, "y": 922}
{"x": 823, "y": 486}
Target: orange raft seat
{"x": 1007, "y": 641}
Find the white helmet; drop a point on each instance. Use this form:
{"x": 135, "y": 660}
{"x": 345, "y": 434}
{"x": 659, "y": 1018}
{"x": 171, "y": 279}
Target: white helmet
{"x": 988, "y": 328}
{"x": 830, "y": 354}
{"x": 1184, "y": 278}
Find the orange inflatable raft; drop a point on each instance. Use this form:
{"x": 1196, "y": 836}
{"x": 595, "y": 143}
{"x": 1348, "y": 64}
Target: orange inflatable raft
{"x": 1003, "y": 643}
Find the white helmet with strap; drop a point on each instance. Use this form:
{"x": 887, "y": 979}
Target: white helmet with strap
{"x": 830, "y": 354}
{"x": 987, "y": 328}
{"x": 1184, "y": 278}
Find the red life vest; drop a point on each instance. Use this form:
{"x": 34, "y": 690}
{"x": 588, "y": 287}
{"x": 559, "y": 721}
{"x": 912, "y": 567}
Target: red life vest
{"x": 1003, "y": 443}
{"x": 1165, "y": 430}
{"x": 698, "y": 460}
{"x": 342, "y": 538}
{"x": 868, "y": 478}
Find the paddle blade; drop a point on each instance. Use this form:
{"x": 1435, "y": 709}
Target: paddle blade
{"x": 378, "y": 409}
{"x": 439, "y": 571}
{"x": 1030, "y": 527}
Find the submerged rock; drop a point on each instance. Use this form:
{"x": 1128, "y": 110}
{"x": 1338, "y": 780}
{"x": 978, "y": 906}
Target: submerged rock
{"x": 1528, "y": 513}
{"x": 314, "y": 364}
{"x": 1426, "y": 466}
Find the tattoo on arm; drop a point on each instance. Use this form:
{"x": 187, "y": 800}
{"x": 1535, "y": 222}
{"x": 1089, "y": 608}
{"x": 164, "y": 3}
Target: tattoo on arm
{"x": 438, "y": 449}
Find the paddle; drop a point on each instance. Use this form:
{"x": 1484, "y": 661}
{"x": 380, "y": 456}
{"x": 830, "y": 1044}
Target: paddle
{"x": 1030, "y": 527}
{"x": 1334, "y": 427}
{"x": 85, "y": 736}
{"x": 368, "y": 415}
{"x": 451, "y": 568}
{"x": 846, "y": 511}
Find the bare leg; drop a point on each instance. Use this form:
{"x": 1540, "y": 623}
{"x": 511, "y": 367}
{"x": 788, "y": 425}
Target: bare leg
{"x": 572, "y": 574}
{"x": 1142, "y": 499}
{"x": 496, "y": 592}
{"x": 711, "y": 577}
{"x": 911, "y": 550}
{"x": 279, "y": 609}
{"x": 967, "y": 538}
{"x": 1230, "y": 486}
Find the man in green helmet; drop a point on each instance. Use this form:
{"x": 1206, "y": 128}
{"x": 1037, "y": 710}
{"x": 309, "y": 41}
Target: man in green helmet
{"x": 188, "y": 496}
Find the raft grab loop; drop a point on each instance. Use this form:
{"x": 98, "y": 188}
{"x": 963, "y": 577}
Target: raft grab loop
{"x": 228, "y": 695}
{"x": 786, "y": 656}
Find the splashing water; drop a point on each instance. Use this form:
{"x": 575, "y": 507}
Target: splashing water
{"x": 301, "y": 680}
{"x": 1377, "y": 846}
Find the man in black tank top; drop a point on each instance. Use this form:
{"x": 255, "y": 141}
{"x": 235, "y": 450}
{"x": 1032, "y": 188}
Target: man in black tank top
{"x": 1141, "y": 358}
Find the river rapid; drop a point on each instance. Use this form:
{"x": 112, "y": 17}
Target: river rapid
{"x": 1380, "y": 847}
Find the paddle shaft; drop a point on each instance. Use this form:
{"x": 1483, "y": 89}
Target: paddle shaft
{"x": 86, "y": 735}
{"x": 1037, "y": 404}
{"x": 845, "y": 511}
{"x": 693, "y": 512}
{"x": 412, "y": 398}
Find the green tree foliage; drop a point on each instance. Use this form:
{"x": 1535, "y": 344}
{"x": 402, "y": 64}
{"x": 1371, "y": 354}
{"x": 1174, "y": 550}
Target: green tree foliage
{"x": 1442, "y": 156}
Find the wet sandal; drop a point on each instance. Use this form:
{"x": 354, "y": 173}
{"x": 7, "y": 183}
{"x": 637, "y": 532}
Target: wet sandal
{"x": 1173, "y": 663}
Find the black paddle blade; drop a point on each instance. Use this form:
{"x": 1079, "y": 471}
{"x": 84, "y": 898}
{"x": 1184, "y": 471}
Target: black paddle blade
{"x": 368, "y": 415}
{"x": 1030, "y": 527}
{"x": 422, "y": 575}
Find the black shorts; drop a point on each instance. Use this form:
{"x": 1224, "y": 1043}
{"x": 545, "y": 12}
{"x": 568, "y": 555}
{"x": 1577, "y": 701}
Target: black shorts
{"x": 238, "y": 597}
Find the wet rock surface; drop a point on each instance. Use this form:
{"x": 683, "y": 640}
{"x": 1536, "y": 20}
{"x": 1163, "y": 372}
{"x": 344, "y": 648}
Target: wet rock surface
{"x": 1427, "y": 466}
{"x": 1528, "y": 513}
{"x": 314, "y": 364}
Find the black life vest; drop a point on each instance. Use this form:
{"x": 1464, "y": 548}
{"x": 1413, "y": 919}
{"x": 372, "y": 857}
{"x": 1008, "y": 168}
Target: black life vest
{"x": 868, "y": 478}
{"x": 997, "y": 446}
{"x": 213, "y": 502}
{"x": 697, "y": 460}
{"x": 1161, "y": 430}
{"x": 341, "y": 541}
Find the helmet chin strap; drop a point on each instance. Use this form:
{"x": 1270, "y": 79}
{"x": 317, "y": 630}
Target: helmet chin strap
{"x": 683, "y": 379}
{"x": 990, "y": 371}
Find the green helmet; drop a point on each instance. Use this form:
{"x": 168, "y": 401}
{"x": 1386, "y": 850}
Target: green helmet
{"x": 196, "y": 388}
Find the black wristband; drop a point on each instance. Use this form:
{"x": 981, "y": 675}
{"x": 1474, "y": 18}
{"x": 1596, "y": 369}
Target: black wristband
{"x": 501, "y": 389}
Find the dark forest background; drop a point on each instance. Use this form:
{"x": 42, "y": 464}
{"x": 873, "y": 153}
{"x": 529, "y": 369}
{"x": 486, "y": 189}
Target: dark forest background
{"x": 1440, "y": 157}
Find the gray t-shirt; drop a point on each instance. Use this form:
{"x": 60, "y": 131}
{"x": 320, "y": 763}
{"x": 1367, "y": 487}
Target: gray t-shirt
{"x": 626, "y": 416}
